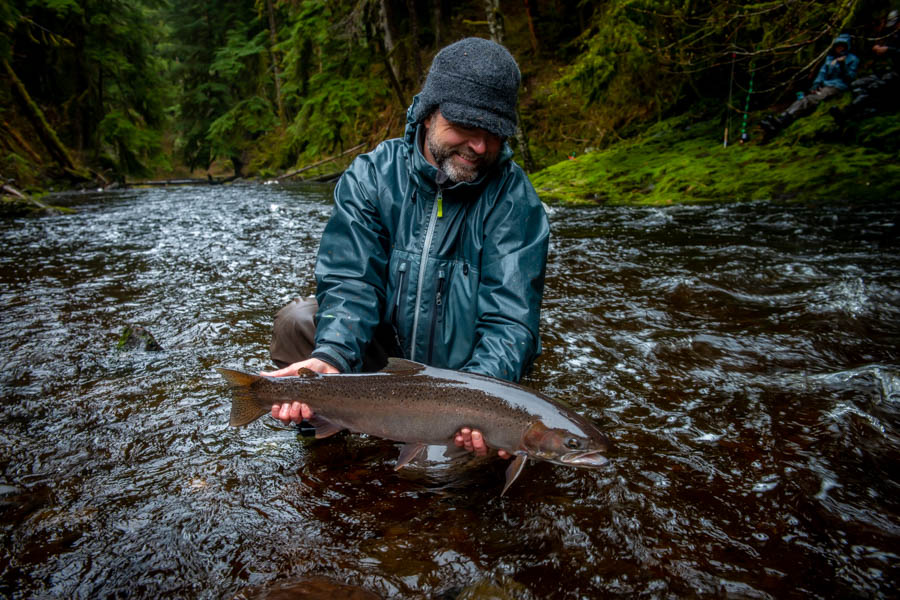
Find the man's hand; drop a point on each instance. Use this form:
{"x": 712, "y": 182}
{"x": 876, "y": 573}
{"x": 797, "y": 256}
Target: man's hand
{"x": 297, "y": 411}
{"x": 473, "y": 441}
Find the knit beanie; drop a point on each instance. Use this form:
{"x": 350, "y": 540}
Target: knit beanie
{"x": 474, "y": 82}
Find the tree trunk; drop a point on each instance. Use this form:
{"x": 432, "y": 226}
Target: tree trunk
{"x": 437, "y": 11}
{"x": 276, "y": 71}
{"x": 495, "y": 20}
{"x": 495, "y": 24}
{"x": 46, "y": 133}
{"x": 22, "y": 143}
{"x": 386, "y": 42}
{"x": 414, "y": 37}
{"x": 531, "y": 17}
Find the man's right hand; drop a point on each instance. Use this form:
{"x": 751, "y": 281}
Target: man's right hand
{"x": 297, "y": 411}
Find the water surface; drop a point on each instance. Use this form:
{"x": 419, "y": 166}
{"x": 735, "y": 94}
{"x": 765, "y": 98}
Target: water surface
{"x": 744, "y": 359}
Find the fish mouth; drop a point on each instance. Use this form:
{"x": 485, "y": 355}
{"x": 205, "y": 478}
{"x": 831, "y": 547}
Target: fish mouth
{"x": 591, "y": 458}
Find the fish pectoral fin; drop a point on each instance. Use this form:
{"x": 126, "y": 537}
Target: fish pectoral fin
{"x": 513, "y": 470}
{"x": 454, "y": 451}
{"x": 324, "y": 427}
{"x": 408, "y": 453}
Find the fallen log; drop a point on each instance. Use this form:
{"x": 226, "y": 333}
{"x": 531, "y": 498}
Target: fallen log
{"x": 319, "y": 163}
{"x": 8, "y": 189}
{"x": 45, "y": 132}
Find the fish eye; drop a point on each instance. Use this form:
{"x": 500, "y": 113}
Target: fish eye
{"x": 573, "y": 443}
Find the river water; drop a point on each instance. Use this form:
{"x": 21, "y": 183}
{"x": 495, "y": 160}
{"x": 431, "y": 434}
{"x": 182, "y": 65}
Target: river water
{"x": 744, "y": 359}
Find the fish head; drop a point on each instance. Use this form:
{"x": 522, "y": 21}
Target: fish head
{"x": 576, "y": 447}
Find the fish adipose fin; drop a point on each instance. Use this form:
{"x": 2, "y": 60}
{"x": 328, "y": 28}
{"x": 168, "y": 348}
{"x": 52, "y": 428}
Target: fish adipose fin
{"x": 324, "y": 427}
{"x": 408, "y": 453}
{"x": 513, "y": 470}
{"x": 244, "y": 408}
{"x": 402, "y": 366}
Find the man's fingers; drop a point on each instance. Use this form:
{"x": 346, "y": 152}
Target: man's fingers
{"x": 293, "y": 412}
{"x": 478, "y": 444}
{"x": 305, "y": 411}
{"x": 285, "y": 372}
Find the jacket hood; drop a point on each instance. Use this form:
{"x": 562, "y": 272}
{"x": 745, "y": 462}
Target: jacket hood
{"x": 844, "y": 38}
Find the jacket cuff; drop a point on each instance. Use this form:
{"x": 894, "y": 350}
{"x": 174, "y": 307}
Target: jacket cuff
{"x": 330, "y": 356}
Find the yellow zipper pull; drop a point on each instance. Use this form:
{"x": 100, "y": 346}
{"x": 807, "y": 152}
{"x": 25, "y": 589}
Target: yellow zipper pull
{"x": 440, "y": 201}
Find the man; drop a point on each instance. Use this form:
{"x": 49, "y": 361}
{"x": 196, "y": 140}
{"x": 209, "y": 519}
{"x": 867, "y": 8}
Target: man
{"x": 834, "y": 78}
{"x": 437, "y": 246}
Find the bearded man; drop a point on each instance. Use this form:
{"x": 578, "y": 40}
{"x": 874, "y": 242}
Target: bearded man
{"x": 437, "y": 246}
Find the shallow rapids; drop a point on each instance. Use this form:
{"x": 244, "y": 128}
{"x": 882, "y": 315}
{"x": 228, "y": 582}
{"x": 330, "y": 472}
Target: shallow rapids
{"x": 744, "y": 359}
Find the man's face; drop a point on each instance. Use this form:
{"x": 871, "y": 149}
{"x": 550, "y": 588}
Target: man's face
{"x": 463, "y": 153}
{"x": 840, "y": 48}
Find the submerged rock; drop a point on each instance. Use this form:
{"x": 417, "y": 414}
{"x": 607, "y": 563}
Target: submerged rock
{"x": 135, "y": 337}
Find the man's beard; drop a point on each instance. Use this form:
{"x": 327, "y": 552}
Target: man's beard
{"x": 443, "y": 156}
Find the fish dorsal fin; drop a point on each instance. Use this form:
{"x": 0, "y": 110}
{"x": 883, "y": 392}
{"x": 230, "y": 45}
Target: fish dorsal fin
{"x": 304, "y": 372}
{"x": 402, "y": 366}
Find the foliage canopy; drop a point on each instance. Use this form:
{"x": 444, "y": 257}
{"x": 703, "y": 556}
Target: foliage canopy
{"x": 137, "y": 86}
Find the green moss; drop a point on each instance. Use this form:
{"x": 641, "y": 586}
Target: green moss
{"x": 677, "y": 161}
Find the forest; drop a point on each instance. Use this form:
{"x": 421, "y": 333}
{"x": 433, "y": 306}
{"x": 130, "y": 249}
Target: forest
{"x": 109, "y": 92}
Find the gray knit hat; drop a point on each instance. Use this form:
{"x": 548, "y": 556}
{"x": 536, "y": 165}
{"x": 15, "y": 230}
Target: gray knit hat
{"x": 474, "y": 82}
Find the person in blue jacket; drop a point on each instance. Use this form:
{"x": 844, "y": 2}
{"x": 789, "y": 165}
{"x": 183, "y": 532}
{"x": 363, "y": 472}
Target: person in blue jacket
{"x": 833, "y": 79}
{"x": 436, "y": 249}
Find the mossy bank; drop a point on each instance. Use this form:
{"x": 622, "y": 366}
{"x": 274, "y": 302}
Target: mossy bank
{"x": 683, "y": 160}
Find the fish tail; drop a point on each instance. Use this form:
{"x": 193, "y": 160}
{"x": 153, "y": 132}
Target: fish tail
{"x": 245, "y": 406}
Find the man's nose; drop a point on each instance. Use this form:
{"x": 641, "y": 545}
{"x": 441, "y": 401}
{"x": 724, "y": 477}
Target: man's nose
{"x": 478, "y": 143}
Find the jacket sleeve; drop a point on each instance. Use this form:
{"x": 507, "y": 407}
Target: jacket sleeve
{"x": 513, "y": 265}
{"x": 351, "y": 270}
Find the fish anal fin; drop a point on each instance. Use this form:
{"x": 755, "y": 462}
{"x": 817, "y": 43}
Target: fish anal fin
{"x": 408, "y": 453}
{"x": 513, "y": 470}
{"x": 324, "y": 427}
{"x": 402, "y": 366}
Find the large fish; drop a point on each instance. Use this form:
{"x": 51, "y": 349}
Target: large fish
{"x": 426, "y": 406}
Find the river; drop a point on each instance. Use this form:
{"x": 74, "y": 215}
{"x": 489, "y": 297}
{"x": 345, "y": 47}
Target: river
{"x": 743, "y": 358}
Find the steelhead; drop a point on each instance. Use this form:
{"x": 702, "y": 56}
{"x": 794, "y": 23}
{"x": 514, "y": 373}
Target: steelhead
{"x": 426, "y": 406}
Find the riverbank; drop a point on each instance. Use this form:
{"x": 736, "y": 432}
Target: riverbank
{"x": 683, "y": 160}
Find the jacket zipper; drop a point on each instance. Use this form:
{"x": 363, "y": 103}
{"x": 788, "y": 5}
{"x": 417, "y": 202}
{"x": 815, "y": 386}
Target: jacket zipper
{"x": 436, "y": 313}
{"x": 426, "y": 250}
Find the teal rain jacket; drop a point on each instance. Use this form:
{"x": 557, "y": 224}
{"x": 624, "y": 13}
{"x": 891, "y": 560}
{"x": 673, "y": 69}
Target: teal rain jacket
{"x": 838, "y": 74}
{"x": 449, "y": 274}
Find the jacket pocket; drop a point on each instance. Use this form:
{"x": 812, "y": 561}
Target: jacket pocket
{"x": 437, "y": 312}
{"x": 397, "y": 303}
